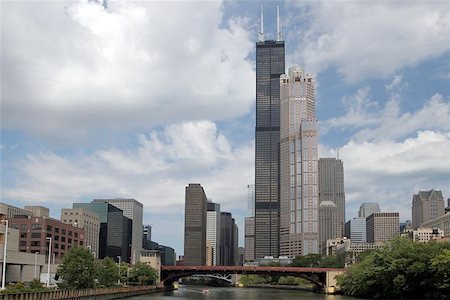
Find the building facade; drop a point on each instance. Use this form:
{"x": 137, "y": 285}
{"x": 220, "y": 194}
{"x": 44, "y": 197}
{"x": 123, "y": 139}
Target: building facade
{"x": 133, "y": 210}
{"x": 442, "y": 222}
{"x": 355, "y": 229}
{"x": 249, "y": 239}
{"x": 11, "y": 211}
{"x": 34, "y": 232}
{"x": 331, "y": 187}
{"x": 366, "y": 209}
{"x": 87, "y": 220}
{"x": 382, "y": 226}
{"x": 213, "y": 231}
{"x": 329, "y": 223}
{"x": 299, "y": 206}
{"x": 115, "y": 230}
{"x": 427, "y": 205}
{"x": 270, "y": 64}
{"x": 195, "y": 225}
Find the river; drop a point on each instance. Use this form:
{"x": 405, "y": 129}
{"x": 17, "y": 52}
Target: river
{"x": 224, "y": 293}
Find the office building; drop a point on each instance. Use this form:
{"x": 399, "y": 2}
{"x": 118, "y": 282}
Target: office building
{"x": 270, "y": 57}
{"x": 299, "y": 215}
{"x": 11, "y": 211}
{"x": 331, "y": 187}
{"x": 87, "y": 220}
{"x": 115, "y": 230}
{"x": 229, "y": 233}
{"x": 251, "y": 200}
{"x": 382, "y": 226}
{"x": 366, "y": 209}
{"x": 235, "y": 246}
{"x": 329, "y": 223}
{"x": 38, "y": 211}
{"x": 447, "y": 209}
{"x": 195, "y": 226}
{"x": 249, "y": 239}
{"x": 133, "y": 210}
{"x": 34, "y": 232}
{"x": 146, "y": 236}
{"x": 427, "y": 205}
{"x": 355, "y": 229}
{"x": 213, "y": 231}
{"x": 441, "y": 222}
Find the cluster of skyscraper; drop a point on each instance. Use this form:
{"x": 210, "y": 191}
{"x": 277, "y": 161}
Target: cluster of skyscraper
{"x": 210, "y": 236}
{"x": 293, "y": 187}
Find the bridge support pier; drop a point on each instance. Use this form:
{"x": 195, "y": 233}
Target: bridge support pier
{"x": 331, "y": 286}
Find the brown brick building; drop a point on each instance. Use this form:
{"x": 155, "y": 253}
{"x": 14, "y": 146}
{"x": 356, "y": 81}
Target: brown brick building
{"x": 35, "y": 230}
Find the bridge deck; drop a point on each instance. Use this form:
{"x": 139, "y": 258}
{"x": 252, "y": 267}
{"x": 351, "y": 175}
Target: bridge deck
{"x": 247, "y": 269}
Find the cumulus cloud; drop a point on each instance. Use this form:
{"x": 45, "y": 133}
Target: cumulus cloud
{"x": 155, "y": 173}
{"x": 368, "y": 39}
{"x": 69, "y": 66}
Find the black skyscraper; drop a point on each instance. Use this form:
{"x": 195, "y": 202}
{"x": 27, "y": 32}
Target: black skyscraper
{"x": 269, "y": 67}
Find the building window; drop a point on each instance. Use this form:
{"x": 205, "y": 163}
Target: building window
{"x": 49, "y": 228}
{"x": 56, "y": 230}
{"x": 56, "y": 237}
{"x": 36, "y": 226}
{"x": 35, "y": 243}
{"x": 23, "y": 235}
{"x": 63, "y": 231}
{"x": 35, "y": 235}
{"x": 23, "y": 243}
{"x": 63, "y": 239}
{"x": 63, "y": 247}
{"x": 70, "y": 233}
{"x": 56, "y": 246}
{"x": 75, "y": 234}
{"x": 23, "y": 227}
{"x": 69, "y": 240}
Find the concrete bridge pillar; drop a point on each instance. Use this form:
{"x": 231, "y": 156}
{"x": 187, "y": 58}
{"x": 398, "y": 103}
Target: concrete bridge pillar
{"x": 331, "y": 286}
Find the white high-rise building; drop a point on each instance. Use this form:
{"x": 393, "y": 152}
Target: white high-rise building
{"x": 366, "y": 209}
{"x": 299, "y": 217}
{"x": 133, "y": 210}
{"x": 213, "y": 230}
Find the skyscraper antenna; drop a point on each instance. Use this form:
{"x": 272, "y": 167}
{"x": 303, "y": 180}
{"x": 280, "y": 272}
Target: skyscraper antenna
{"x": 278, "y": 33}
{"x": 337, "y": 152}
{"x": 261, "y": 30}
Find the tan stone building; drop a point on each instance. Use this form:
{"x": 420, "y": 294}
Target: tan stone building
{"x": 382, "y": 226}
{"x": 89, "y": 221}
{"x": 152, "y": 258}
{"x": 299, "y": 204}
{"x": 426, "y": 205}
{"x": 441, "y": 222}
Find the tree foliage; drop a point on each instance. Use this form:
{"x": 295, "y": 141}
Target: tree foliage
{"x": 142, "y": 274}
{"x": 107, "y": 272}
{"x": 77, "y": 270}
{"x": 401, "y": 269}
{"x": 319, "y": 261}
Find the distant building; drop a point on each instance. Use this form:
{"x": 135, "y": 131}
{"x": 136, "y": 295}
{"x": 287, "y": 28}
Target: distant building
{"x": 441, "y": 222}
{"x": 251, "y": 200}
{"x": 38, "y": 211}
{"x": 195, "y": 226}
{"x": 11, "y": 211}
{"x": 366, "y": 209}
{"x": 35, "y": 230}
{"x": 331, "y": 188}
{"x": 427, "y": 205}
{"x": 213, "y": 231}
{"x": 89, "y": 221}
{"x": 382, "y": 226}
{"x": 241, "y": 256}
{"x": 447, "y": 209}
{"x": 152, "y": 258}
{"x": 235, "y": 245}
{"x": 424, "y": 235}
{"x": 226, "y": 239}
{"x": 146, "y": 236}
{"x": 133, "y": 210}
{"x": 333, "y": 245}
{"x": 355, "y": 229}
{"x": 115, "y": 230}
{"x": 249, "y": 239}
{"x": 330, "y": 226}
{"x": 299, "y": 204}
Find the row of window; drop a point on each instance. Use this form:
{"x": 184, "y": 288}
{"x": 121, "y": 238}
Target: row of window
{"x": 37, "y": 226}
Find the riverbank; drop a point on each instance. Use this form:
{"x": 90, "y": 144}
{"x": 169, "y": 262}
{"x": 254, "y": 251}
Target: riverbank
{"x": 86, "y": 294}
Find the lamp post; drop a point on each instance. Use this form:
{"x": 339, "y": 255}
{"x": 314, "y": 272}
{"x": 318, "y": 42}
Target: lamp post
{"x": 4, "y": 254}
{"x": 35, "y": 265}
{"x": 49, "y": 257}
{"x": 120, "y": 259}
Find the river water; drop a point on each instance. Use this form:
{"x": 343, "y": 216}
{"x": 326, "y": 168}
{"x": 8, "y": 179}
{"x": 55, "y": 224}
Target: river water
{"x": 224, "y": 293}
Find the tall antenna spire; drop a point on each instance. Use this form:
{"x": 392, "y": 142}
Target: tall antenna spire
{"x": 261, "y": 30}
{"x": 278, "y": 33}
{"x": 337, "y": 152}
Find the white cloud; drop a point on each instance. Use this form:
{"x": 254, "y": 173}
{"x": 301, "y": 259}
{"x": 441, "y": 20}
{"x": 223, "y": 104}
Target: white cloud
{"x": 71, "y": 66}
{"x": 391, "y": 172}
{"x": 155, "y": 173}
{"x": 367, "y": 39}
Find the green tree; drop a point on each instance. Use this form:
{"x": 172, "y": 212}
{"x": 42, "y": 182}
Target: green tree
{"x": 441, "y": 268}
{"x": 401, "y": 269}
{"x": 142, "y": 274}
{"x": 77, "y": 270}
{"x": 107, "y": 272}
{"x": 310, "y": 260}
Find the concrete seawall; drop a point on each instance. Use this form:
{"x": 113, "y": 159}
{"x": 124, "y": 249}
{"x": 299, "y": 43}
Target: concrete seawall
{"x": 85, "y": 294}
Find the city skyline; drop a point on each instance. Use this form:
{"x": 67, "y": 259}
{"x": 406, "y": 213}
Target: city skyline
{"x": 75, "y": 129}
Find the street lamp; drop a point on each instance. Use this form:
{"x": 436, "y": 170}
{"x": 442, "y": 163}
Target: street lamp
{"x": 49, "y": 257}
{"x": 4, "y": 254}
{"x": 35, "y": 264}
{"x": 120, "y": 259}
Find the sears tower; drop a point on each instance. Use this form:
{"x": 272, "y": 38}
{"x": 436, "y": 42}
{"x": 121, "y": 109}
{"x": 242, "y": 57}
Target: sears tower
{"x": 269, "y": 67}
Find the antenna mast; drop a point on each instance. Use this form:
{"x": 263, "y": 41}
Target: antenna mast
{"x": 278, "y": 33}
{"x": 261, "y": 30}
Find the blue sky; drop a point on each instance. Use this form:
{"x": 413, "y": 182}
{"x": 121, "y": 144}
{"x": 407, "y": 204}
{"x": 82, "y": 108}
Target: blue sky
{"x": 144, "y": 97}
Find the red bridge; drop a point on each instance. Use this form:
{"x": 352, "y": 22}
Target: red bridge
{"x": 321, "y": 277}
